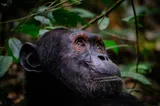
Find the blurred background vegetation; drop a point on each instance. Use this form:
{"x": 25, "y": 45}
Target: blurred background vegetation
{"x": 26, "y": 20}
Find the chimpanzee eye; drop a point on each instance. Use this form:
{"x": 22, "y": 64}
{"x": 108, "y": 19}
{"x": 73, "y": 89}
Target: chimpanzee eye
{"x": 80, "y": 42}
{"x": 99, "y": 46}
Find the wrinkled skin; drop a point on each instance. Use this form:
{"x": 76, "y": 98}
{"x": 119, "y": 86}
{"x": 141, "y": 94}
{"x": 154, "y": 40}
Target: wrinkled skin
{"x": 71, "y": 63}
{"x": 92, "y": 73}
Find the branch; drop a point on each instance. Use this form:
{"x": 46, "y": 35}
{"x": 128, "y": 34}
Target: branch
{"x": 53, "y": 8}
{"x": 137, "y": 39}
{"x": 102, "y": 14}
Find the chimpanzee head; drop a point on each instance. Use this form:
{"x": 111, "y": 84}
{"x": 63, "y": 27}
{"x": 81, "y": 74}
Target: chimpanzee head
{"x": 76, "y": 58}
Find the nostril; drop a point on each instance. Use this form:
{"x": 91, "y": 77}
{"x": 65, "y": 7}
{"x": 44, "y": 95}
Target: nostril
{"x": 101, "y": 57}
{"x": 106, "y": 58}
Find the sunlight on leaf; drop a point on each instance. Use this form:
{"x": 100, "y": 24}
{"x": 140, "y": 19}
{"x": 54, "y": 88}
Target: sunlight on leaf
{"x": 103, "y": 23}
{"x": 5, "y": 62}
{"x": 42, "y": 31}
{"x": 110, "y": 43}
{"x": 15, "y": 46}
{"x": 83, "y": 13}
{"x": 43, "y": 20}
{"x": 42, "y": 9}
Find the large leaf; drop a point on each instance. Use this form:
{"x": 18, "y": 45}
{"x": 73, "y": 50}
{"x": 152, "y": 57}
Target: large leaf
{"x": 42, "y": 31}
{"x": 42, "y": 9}
{"x": 5, "y": 62}
{"x": 67, "y": 18}
{"x": 43, "y": 20}
{"x": 31, "y": 28}
{"x": 139, "y": 77}
{"x": 110, "y": 43}
{"x": 83, "y": 13}
{"x": 142, "y": 68}
{"x": 103, "y": 23}
{"x": 15, "y": 46}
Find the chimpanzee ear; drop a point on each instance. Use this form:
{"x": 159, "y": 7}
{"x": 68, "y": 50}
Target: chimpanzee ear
{"x": 29, "y": 58}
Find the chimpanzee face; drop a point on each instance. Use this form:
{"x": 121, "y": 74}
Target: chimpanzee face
{"x": 86, "y": 66}
{"x": 77, "y": 58}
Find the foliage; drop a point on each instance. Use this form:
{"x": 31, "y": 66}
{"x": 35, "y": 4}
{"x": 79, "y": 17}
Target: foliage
{"x": 143, "y": 69}
{"x": 103, "y": 23}
{"x": 109, "y": 44}
{"x": 5, "y": 62}
{"x": 15, "y": 46}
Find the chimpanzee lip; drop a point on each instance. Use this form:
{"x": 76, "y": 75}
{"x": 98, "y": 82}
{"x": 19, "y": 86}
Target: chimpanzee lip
{"x": 108, "y": 78}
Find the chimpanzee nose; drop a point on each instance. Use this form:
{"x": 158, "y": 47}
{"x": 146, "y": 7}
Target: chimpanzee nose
{"x": 102, "y": 57}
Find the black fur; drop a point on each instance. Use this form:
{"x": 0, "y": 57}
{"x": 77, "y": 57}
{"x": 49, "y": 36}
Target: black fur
{"x": 57, "y": 74}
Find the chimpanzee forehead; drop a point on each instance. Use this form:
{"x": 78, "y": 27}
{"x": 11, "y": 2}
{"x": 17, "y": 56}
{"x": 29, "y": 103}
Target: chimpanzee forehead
{"x": 86, "y": 34}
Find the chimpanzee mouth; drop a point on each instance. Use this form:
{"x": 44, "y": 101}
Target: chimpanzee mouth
{"x": 108, "y": 79}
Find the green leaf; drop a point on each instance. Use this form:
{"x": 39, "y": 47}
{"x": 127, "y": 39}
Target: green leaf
{"x": 131, "y": 19}
{"x": 43, "y": 20}
{"x": 83, "y": 13}
{"x": 110, "y": 43}
{"x": 41, "y": 9}
{"x": 67, "y": 18}
{"x": 109, "y": 3}
{"x": 142, "y": 68}
{"x": 15, "y": 46}
{"x": 42, "y": 31}
{"x": 142, "y": 10}
{"x": 103, "y": 23}
{"x": 31, "y": 28}
{"x": 50, "y": 17}
{"x": 140, "y": 25}
{"x": 139, "y": 77}
{"x": 128, "y": 19}
{"x": 5, "y": 62}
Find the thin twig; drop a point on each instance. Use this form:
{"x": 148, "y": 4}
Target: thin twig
{"x": 117, "y": 46}
{"x": 52, "y": 3}
{"x": 63, "y": 2}
{"x": 137, "y": 39}
{"x": 31, "y": 15}
{"x": 102, "y": 14}
{"x": 73, "y": 3}
{"x": 120, "y": 37}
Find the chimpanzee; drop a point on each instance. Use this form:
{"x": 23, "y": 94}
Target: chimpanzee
{"x": 67, "y": 67}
